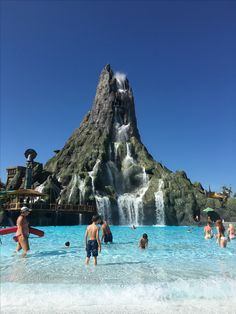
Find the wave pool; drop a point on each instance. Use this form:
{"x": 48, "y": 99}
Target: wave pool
{"x": 180, "y": 272}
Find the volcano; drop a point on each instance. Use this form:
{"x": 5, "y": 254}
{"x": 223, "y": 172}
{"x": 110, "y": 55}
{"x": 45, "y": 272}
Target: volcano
{"x": 105, "y": 162}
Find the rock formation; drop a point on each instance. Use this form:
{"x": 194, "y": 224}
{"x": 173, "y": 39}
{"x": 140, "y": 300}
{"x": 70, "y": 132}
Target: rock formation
{"x": 105, "y": 162}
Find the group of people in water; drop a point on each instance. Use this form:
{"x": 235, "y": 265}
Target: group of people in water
{"x": 92, "y": 240}
{"x": 222, "y": 236}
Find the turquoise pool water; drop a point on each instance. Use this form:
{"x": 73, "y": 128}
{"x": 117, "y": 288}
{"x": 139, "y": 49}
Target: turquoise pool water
{"x": 180, "y": 272}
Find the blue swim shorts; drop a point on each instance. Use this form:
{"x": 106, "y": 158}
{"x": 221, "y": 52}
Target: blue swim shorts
{"x": 92, "y": 248}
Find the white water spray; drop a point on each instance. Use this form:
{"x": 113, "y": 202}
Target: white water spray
{"x": 93, "y": 173}
{"x": 120, "y": 79}
{"x": 160, "y": 213}
{"x": 104, "y": 207}
{"x": 73, "y": 187}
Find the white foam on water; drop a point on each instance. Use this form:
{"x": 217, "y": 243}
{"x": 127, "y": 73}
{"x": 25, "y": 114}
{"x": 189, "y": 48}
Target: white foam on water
{"x": 181, "y": 296}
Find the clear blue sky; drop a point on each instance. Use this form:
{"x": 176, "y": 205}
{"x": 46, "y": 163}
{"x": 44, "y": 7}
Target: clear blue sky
{"x": 179, "y": 56}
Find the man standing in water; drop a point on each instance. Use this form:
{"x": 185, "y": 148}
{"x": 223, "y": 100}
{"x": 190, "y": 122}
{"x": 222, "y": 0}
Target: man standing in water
{"x": 93, "y": 244}
{"x": 106, "y": 232}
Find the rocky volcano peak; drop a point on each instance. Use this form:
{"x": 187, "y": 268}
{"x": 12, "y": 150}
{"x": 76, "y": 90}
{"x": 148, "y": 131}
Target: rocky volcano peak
{"x": 104, "y": 162}
{"x": 114, "y": 104}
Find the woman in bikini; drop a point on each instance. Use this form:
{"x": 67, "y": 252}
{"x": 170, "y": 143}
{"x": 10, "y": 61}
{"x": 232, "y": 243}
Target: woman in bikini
{"x": 22, "y": 233}
{"x": 220, "y": 237}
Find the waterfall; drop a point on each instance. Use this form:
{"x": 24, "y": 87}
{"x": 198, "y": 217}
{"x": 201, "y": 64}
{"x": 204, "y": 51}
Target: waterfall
{"x": 40, "y": 188}
{"x": 130, "y": 205}
{"x": 129, "y": 160}
{"x": 74, "y": 182}
{"x": 113, "y": 174}
{"x": 93, "y": 173}
{"x": 116, "y": 147}
{"x": 122, "y": 133}
{"x": 110, "y": 152}
{"x": 81, "y": 184}
{"x": 102, "y": 202}
{"x": 104, "y": 207}
{"x": 160, "y": 213}
{"x": 120, "y": 81}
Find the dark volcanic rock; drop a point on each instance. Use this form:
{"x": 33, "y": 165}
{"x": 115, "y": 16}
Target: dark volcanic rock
{"x": 17, "y": 181}
{"x": 104, "y": 161}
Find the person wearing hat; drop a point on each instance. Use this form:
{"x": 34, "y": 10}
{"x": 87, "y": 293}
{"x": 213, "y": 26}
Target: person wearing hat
{"x": 22, "y": 233}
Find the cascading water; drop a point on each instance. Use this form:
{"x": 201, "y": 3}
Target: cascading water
{"x": 122, "y": 169}
{"x": 93, "y": 173}
{"x": 120, "y": 79}
{"x": 81, "y": 184}
{"x": 40, "y": 188}
{"x": 130, "y": 205}
{"x": 102, "y": 202}
{"x": 104, "y": 207}
{"x": 125, "y": 176}
{"x": 160, "y": 213}
{"x": 73, "y": 187}
{"x": 116, "y": 147}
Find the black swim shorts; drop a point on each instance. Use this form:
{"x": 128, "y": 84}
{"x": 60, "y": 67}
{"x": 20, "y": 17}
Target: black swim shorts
{"x": 108, "y": 238}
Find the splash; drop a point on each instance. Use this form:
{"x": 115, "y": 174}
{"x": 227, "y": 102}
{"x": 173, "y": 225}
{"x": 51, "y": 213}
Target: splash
{"x": 104, "y": 207}
{"x": 120, "y": 79}
{"x": 160, "y": 213}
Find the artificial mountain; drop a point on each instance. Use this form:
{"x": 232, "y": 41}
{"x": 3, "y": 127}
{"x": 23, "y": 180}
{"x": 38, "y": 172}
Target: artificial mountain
{"x": 105, "y": 162}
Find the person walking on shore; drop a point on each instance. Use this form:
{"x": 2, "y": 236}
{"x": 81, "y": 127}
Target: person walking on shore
{"x": 93, "y": 245}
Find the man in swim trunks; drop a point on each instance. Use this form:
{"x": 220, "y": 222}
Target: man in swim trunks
{"x": 208, "y": 233}
{"x": 22, "y": 233}
{"x": 106, "y": 232}
{"x": 93, "y": 244}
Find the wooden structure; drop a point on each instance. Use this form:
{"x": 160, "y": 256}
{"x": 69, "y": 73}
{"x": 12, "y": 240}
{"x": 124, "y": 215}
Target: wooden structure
{"x": 11, "y": 172}
{"x": 218, "y": 196}
{"x": 34, "y": 200}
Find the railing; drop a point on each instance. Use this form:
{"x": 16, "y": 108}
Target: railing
{"x": 52, "y": 207}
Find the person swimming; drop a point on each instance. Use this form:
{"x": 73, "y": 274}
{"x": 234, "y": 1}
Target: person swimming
{"x": 231, "y": 231}
{"x": 67, "y": 244}
{"x": 208, "y": 233}
{"x": 143, "y": 242}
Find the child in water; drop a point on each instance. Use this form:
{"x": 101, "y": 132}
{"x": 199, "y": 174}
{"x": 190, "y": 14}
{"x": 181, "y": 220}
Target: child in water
{"x": 208, "y": 233}
{"x": 67, "y": 244}
{"x": 143, "y": 242}
{"x": 93, "y": 245}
